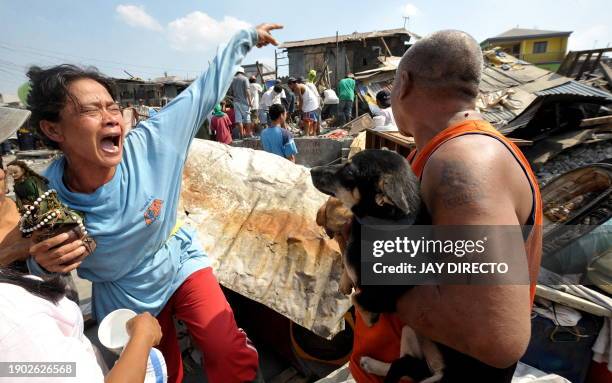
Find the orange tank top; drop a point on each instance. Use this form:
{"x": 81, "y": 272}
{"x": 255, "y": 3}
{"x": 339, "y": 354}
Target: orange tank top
{"x": 382, "y": 341}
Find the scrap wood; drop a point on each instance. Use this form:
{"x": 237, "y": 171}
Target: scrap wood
{"x": 572, "y": 301}
{"x": 596, "y": 121}
{"x": 358, "y": 144}
{"x": 359, "y": 124}
{"x": 550, "y": 147}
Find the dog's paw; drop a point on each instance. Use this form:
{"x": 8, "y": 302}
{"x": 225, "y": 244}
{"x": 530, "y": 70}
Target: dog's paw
{"x": 367, "y": 364}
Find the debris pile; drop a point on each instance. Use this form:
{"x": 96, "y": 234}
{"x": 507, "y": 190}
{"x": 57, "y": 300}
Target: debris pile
{"x": 574, "y": 158}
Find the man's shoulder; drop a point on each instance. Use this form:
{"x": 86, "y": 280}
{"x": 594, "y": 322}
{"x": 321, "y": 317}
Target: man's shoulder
{"x": 476, "y": 165}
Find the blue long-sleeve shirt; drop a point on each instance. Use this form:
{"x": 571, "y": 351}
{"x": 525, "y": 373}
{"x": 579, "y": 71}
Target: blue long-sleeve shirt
{"x": 138, "y": 264}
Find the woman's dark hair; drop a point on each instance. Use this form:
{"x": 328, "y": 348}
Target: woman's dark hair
{"x": 27, "y": 172}
{"x": 49, "y": 91}
{"x": 50, "y": 288}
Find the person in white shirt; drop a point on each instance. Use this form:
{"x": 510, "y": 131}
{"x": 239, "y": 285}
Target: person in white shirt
{"x": 255, "y": 91}
{"x": 308, "y": 102}
{"x": 39, "y": 324}
{"x": 270, "y": 97}
{"x": 311, "y": 85}
{"x": 383, "y": 100}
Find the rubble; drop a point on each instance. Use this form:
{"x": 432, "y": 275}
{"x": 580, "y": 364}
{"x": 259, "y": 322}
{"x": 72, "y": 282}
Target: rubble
{"x": 574, "y": 158}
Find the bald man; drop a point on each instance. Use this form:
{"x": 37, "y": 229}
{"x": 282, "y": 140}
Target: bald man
{"x": 470, "y": 175}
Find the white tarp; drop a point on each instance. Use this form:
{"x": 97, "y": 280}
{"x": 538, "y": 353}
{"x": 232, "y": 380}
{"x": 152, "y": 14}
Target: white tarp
{"x": 11, "y": 119}
{"x": 255, "y": 215}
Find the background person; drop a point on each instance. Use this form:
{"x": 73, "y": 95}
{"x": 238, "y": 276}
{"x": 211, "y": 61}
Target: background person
{"x": 130, "y": 117}
{"x": 273, "y": 96}
{"x": 276, "y": 139}
{"x": 128, "y": 189}
{"x": 242, "y": 103}
{"x": 383, "y": 100}
{"x": 310, "y": 84}
{"x": 255, "y": 91}
{"x": 308, "y": 103}
{"x": 142, "y": 110}
{"x": 39, "y": 324}
{"x": 221, "y": 126}
{"x": 346, "y": 94}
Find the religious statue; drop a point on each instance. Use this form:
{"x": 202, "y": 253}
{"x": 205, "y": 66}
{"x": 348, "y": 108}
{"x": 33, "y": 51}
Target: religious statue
{"x": 43, "y": 215}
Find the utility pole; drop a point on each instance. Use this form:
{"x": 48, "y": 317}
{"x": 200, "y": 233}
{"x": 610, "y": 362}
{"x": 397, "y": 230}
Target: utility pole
{"x": 406, "y": 19}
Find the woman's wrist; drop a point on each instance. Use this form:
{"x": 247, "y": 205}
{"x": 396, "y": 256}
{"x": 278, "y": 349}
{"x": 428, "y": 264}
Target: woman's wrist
{"x": 143, "y": 339}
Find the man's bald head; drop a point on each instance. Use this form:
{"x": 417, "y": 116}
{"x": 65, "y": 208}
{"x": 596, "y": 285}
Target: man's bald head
{"x": 449, "y": 60}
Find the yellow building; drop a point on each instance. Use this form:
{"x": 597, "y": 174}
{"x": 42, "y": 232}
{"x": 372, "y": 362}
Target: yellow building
{"x": 544, "y": 48}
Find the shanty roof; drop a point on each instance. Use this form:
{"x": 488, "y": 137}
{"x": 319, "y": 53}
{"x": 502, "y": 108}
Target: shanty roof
{"x": 521, "y": 33}
{"x": 355, "y": 36}
{"x": 248, "y": 68}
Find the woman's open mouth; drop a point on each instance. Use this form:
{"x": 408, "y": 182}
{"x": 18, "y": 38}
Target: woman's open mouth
{"x": 110, "y": 143}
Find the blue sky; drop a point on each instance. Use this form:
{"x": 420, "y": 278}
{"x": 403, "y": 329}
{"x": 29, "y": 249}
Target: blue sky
{"x": 146, "y": 38}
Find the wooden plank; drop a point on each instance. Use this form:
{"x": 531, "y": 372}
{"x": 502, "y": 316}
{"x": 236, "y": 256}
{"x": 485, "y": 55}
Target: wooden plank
{"x": 520, "y": 143}
{"x": 386, "y": 46}
{"x": 572, "y": 301}
{"x": 584, "y": 65}
{"x": 377, "y": 140}
{"x": 607, "y": 71}
{"x": 596, "y": 121}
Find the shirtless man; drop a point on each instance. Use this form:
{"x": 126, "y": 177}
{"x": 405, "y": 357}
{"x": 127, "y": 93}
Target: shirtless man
{"x": 308, "y": 102}
{"x": 470, "y": 175}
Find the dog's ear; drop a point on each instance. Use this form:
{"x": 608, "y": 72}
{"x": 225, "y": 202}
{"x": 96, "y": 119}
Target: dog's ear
{"x": 321, "y": 215}
{"x": 400, "y": 190}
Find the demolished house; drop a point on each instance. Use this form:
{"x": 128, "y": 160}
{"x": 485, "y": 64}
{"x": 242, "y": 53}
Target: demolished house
{"x": 342, "y": 54}
{"x": 518, "y": 98}
{"x": 154, "y": 93}
{"x": 590, "y": 67}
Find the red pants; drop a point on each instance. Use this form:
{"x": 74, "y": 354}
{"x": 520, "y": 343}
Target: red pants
{"x": 200, "y": 303}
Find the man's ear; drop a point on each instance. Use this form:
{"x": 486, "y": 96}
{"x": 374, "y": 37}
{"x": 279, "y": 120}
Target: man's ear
{"x": 51, "y": 130}
{"x": 406, "y": 84}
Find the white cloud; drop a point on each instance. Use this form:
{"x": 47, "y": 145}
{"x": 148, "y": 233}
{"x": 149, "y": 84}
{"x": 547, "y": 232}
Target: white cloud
{"x": 409, "y": 10}
{"x": 198, "y": 31}
{"x": 136, "y": 16}
{"x": 595, "y": 36}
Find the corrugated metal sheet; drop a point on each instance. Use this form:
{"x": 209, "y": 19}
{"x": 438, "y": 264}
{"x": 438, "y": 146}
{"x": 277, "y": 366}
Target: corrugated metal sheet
{"x": 523, "y": 119}
{"x": 575, "y": 88}
{"x": 498, "y": 116}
